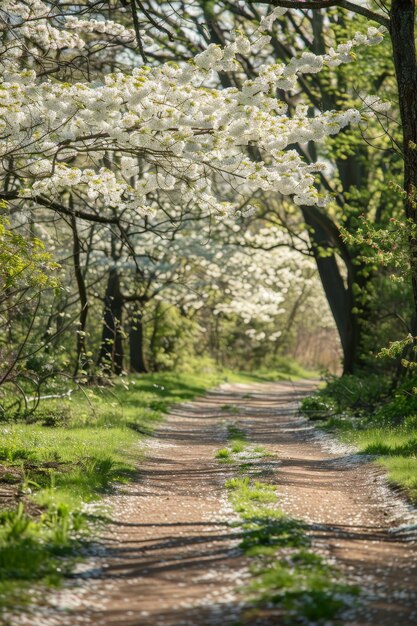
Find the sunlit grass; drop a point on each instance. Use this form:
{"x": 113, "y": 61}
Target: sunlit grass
{"x": 393, "y": 446}
{"x": 91, "y": 442}
{"x": 286, "y": 371}
{"x": 285, "y": 571}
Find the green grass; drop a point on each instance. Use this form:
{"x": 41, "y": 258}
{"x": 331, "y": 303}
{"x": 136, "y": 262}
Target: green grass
{"x": 285, "y": 570}
{"x": 393, "y": 445}
{"x": 70, "y": 453}
{"x": 364, "y": 410}
{"x": 33, "y": 549}
{"x": 230, "y": 408}
{"x": 235, "y": 433}
{"x": 238, "y": 445}
{"x": 290, "y": 371}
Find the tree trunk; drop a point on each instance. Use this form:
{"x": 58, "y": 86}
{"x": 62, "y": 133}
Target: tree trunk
{"x": 111, "y": 350}
{"x": 82, "y": 360}
{"x": 402, "y": 30}
{"x": 353, "y": 172}
{"x": 136, "y": 342}
{"x": 339, "y": 296}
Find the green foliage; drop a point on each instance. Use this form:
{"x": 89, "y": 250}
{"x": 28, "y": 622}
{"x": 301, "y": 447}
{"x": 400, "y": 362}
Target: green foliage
{"x": 27, "y": 271}
{"x": 384, "y": 245}
{"x": 401, "y": 405}
{"x": 24, "y": 262}
{"x": 171, "y": 339}
{"x": 350, "y": 394}
{"x": 317, "y": 408}
{"x": 31, "y": 549}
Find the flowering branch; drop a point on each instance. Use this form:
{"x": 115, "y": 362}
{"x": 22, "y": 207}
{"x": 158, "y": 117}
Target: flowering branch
{"x": 325, "y": 4}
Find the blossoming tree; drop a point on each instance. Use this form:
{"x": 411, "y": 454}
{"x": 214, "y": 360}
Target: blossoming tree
{"x": 90, "y": 134}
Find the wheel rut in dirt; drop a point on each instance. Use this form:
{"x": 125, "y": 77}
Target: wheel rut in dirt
{"x": 171, "y": 557}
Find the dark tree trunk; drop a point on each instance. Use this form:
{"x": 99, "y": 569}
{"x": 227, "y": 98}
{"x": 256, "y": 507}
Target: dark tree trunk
{"x": 354, "y": 175}
{"x": 136, "y": 342}
{"x": 111, "y": 350}
{"x": 82, "y": 360}
{"x": 326, "y": 237}
{"x": 402, "y": 30}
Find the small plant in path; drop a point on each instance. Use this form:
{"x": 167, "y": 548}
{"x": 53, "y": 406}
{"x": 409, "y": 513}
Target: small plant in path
{"x": 239, "y": 450}
{"x": 286, "y": 572}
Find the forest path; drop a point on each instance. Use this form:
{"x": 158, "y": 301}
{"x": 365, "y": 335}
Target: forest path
{"x": 170, "y": 557}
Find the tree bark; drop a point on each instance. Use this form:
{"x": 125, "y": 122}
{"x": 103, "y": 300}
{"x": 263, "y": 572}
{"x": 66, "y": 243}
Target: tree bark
{"x": 326, "y": 238}
{"x": 153, "y": 344}
{"x": 402, "y": 30}
{"x": 111, "y": 350}
{"x": 82, "y": 361}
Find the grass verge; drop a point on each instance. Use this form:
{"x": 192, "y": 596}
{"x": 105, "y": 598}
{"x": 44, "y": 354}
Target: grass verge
{"x": 285, "y": 571}
{"x": 71, "y": 454}
{"x": 364, "y": 412}
{"x": 393, "y": 446}
{"x": 284, "y": 369}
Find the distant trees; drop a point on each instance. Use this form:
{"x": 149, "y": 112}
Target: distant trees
{"x": 399, "y": 19}
{"x": 151, "y": 185}
{"x": 350, "y": 180}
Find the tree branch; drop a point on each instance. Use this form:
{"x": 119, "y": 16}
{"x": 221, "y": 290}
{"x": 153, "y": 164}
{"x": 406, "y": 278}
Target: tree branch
{"x": 60, "y": 208}
{"x": 325, "y": 4}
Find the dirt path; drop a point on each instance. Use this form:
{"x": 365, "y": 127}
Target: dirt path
{"x": 171, "y": 557}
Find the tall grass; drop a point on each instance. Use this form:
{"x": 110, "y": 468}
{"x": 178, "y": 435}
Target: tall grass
{"x": 394, "y": 446}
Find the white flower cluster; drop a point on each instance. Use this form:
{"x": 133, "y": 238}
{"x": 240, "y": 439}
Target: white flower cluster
{"x": 375, "y": 105}
{"x": 162, "y": 130}
{"x": 343, "y": 52}
{"x": 35, "y": 24}
{"x": 268, "y": 20}
{"x": 260, "y": 279}
{"x": 32, "y": 22}
{"x": 105, "y": 27}
{"x": 256, "y": 279}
